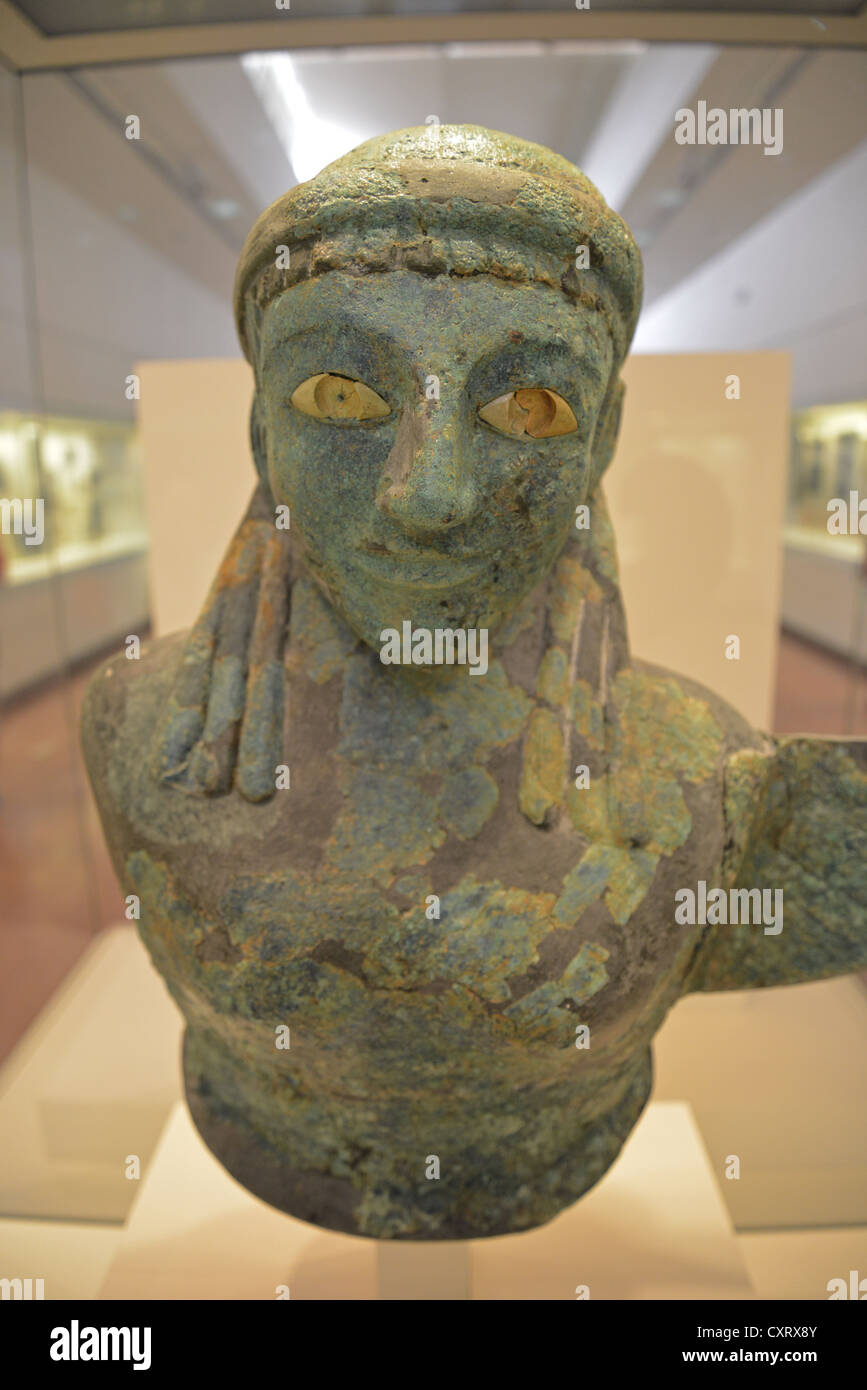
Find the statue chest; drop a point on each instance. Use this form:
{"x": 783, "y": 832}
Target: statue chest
{"x": 396, "y": 866}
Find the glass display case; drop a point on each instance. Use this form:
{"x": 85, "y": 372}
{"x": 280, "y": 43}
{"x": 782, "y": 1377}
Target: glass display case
{"x": 155, "y": 164}
{"x": 87, "y": 475}
{"x": 829, "y": 460}
{"x": 73, "y": 543}
{"x": 825, "y": 539}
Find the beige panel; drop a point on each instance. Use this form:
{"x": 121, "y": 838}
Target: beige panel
{"x": 90, "y": 1082}
{"x": 697, "y": 495}
{"x": 776, "y": 1077}
{"x": 71, "y": 1258}
{"x": 696, "y": 491}
{"x": 801, "y": 1264}
{"x": 199, "y": 476}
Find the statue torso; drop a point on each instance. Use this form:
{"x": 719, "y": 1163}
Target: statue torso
{"x": 396, "y": 908}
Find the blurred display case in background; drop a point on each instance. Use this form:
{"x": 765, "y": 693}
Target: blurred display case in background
{"x": 829, "y": 459}
{"x": 78, "y": 580}
{"x": 825, "y": 568}
{"x": 89, "y": 476}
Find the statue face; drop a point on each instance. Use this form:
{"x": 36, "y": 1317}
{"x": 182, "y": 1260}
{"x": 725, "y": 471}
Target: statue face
{"x": 431, "y": 437}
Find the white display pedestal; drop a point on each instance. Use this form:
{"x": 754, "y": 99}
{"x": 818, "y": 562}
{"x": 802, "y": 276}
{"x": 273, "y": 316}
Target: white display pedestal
{"x": 430, "y": 1270}
{"x": 655, "y": 1227}
{"x": 92, "y": 1081}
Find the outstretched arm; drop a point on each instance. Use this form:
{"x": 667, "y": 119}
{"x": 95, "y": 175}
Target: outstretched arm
{"x": 797, "y": 821}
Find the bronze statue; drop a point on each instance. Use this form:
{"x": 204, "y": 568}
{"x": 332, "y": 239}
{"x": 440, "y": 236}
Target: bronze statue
{"x": 423, "y": 855}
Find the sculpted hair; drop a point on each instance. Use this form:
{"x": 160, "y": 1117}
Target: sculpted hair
{"x": 446, "y": 200}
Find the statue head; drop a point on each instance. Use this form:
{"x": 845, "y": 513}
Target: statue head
{"x": 436, "y": 325}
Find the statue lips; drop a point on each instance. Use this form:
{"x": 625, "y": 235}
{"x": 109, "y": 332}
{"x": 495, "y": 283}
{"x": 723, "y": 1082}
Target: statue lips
{"x": 419, "y": 569}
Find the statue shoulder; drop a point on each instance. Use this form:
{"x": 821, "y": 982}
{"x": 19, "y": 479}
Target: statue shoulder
{"x": 736, "y": 732}
{"x": 120, "y": 712}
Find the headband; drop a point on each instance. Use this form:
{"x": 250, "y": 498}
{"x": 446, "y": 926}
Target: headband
{"x": 450, "y": 200}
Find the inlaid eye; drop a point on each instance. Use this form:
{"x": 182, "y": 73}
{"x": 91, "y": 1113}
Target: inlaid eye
{"x": 330, "y": 396}
{"x": 534, "y": 410}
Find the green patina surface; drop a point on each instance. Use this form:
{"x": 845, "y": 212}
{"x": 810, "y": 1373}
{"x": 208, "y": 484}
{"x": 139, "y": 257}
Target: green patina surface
{"x": 573, "y": 586}
{"x": 466, "y": 868}
{"x": 319, "y": 643}
{"x": 435, "y": 995}
{"x": 542, "y": 770}
{"x": 552, "y": 680}
{"x": 798, "y": 821}
{"x": 467, "y": 801}
{"x": 587, "y": 715}
{"x": 485, "y": 937}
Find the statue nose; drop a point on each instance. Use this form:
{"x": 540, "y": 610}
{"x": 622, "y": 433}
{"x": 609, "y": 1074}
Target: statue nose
{"x": 427, "y": 484}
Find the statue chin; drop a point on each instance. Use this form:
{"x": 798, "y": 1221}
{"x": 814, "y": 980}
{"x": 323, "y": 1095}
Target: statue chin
{"x": 460, "y": 613}
{"x": 371, "y": 607}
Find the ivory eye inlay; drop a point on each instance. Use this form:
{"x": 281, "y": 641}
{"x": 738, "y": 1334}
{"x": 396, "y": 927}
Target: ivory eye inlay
{"x": 328, "y": 396}
{"x": 534, "y": 410}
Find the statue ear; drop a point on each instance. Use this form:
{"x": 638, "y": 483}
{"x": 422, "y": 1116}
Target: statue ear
{"x": 259, "y": 442}
{"x": 607, "y": 430}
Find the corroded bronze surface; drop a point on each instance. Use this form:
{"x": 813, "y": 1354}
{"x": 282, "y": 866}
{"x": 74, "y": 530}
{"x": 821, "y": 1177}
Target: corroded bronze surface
{"x": 462, "y": 903}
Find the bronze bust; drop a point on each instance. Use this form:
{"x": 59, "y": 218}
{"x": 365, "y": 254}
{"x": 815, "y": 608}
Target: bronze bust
{"x": 423, "y": 855}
